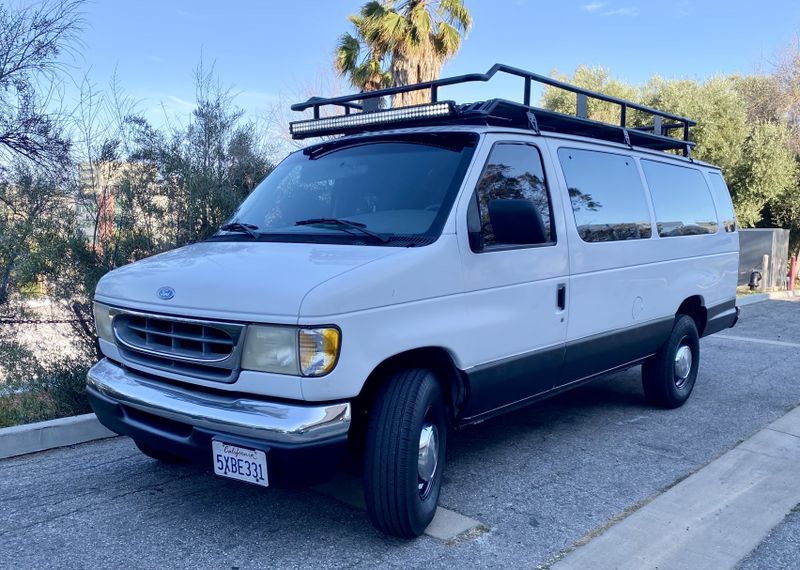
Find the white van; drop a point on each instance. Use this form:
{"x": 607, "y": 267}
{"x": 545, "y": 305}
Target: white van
{"x": 436, "y": 266}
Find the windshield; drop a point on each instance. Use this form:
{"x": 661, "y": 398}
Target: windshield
{"x": 401, "y": 188}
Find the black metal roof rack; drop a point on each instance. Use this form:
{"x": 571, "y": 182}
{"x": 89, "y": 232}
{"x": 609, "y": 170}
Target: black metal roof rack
{"x": 361, "y": 112}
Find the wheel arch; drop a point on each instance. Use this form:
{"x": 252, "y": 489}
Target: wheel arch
{"x": 695, "y": 307}
{"x": 435, "y": 358}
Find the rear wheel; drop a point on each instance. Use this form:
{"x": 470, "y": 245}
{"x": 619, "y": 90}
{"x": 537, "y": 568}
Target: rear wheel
{"x": 668, "y": 378}
{"x": 404, "y": 455}
{"x": 155, "y": 453}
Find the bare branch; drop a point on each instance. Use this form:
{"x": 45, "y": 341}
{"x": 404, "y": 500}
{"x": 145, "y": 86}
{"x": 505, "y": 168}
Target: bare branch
{"x": 32, "y": 41}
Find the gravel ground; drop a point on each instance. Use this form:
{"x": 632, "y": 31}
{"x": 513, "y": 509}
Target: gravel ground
{"x": 540, "y": 479}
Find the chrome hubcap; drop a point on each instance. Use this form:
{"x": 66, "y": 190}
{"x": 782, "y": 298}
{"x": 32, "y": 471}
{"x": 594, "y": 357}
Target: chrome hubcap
{"x": 683, "y": 364}
{"x": 428, "y": 459}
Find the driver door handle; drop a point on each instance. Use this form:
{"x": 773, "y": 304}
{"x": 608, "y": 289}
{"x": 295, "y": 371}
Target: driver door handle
{"x": 561, "y": 296}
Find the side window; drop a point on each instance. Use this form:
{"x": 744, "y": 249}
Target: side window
{"x": 511, "y": 206}
{"x": 607, "y": 196}
{"x": 723, "y": 200}
{"x": 681, "y": 199}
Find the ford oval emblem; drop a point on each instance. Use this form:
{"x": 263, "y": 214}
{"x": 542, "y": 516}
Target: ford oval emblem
{"x": 166, "y": 293}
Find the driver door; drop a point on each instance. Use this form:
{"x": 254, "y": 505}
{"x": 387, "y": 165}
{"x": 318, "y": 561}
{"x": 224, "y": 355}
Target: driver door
{"x": 515, "y": 269}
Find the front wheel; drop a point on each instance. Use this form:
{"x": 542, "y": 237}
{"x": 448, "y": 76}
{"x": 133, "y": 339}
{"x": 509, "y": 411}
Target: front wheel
{"x": 668, "y": 378}
{"x": 404, "y": 455}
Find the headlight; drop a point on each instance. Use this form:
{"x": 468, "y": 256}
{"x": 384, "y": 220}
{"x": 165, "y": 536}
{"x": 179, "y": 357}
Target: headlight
{"x": 102, "y": 322}
{"x": 319, "y": 350}
{"x": 289, "y": 350}
{"x": 271, "y": 349}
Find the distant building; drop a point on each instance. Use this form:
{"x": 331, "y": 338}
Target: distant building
{"x": 100, "y": 184}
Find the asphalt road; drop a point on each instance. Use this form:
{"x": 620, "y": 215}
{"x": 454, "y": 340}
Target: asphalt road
{"x": 540, "y": 480}
{"x": 781, "y": 549}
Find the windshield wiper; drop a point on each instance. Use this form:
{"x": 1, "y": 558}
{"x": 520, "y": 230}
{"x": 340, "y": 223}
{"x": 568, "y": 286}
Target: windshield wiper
{"x": 345, "y": 225}
{"x": 239, "y": 227}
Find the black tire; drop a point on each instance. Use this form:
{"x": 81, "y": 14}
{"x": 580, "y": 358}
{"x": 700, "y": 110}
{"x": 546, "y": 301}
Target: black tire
{"x": 158, "y": 454}
{"x": 400, "y": 502}
{"x": 666, "y": 381}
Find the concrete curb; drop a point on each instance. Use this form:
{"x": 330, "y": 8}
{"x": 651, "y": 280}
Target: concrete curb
{"x": 779, "y": 295}
{"x": 712, "y": 519}
{"x": 750, "y": 299}
{"x": 743, "y": 300}
{"x": 447, "y": 525}
{"x": 41, "y": 436}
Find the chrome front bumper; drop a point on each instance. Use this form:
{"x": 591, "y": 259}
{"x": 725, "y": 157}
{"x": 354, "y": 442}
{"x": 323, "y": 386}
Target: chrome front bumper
{"x": 252, "y": 418}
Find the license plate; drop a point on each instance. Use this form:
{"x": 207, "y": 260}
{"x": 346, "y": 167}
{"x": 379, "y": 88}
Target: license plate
{"x": 241, "y": 463}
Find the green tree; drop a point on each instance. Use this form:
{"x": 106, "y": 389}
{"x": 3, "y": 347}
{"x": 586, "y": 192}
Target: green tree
{"x": 763, "y": 97}
{"x": 36, "y": 219}
{"x": 595, "y": 79}
{"x": 215, "y": 163}
{"x": 784, "y": 211}
{"x": 416, "y": 37}
{"x": 742, "y": 127}
{"x": 360, "y": 57}
{"x": 720, "y": 112}
{"x": 766, "y": 173}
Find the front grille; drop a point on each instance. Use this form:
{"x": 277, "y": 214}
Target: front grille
{"x": 204, "y": 349}
{"x": 194, "y": 341}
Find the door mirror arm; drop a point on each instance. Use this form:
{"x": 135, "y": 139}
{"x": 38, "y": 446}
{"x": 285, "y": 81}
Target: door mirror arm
{"x": 476, "y": 241}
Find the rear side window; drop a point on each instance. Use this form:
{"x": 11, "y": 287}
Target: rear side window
{"x": 681, "y": 199}
{"x": 723, "y": 200}
{"x": 607, "y": 196}
{"x": 511, "y": 205}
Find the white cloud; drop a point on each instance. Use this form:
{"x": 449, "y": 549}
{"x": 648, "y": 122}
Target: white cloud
{"x": 606, "y": 9}
{"x": 594, "y": 6}
{"x": 178, "y": 104}
{"x": 630, "y": 11}
{"x": 255, "y": 98}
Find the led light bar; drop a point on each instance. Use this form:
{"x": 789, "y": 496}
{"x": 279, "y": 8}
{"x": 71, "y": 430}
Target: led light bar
{"x": 344, "y": 123}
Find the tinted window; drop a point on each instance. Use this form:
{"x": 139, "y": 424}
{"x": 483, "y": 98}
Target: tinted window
{"x": 681, "y": 200}
{"x": 723, "y": 200}
{"x": 608, "y": 200}
{"x": 512, "y": 205}
{"x": 400, "y": 187}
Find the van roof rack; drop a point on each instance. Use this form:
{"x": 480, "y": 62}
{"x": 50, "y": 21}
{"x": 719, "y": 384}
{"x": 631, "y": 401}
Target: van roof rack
{"x": 362, "y": 112}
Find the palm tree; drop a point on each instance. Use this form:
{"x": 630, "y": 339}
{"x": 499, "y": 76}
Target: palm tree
{"x": 415, "y": 36}
{"x": 419, "y": 35}
{"x": 365, "y": 71}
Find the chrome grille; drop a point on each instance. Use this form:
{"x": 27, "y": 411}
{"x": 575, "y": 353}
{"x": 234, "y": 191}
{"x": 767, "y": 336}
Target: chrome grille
{"x": 202, "y": 349}
{"x": 189, "y": 340}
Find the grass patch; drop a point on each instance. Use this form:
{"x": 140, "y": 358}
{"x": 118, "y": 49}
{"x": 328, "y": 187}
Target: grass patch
{"x": 742, "y": 291}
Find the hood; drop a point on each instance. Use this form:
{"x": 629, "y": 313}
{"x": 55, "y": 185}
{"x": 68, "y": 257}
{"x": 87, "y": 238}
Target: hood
{"x": 257, "y": 281}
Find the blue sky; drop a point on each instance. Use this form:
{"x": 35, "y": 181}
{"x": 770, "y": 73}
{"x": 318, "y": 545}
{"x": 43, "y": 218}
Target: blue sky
{"x": 269, "y": 50}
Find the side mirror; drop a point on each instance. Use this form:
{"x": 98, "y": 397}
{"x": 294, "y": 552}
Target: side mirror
{"x": 516, "y": 222}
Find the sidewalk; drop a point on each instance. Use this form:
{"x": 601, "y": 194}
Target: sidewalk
{"x": 712, "y": 519}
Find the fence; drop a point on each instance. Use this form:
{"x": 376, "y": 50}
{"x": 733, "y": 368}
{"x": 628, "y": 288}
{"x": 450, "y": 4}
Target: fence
{"x": 754, "y": 244}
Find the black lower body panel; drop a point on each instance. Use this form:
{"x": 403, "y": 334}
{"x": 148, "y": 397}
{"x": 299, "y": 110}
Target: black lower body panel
{"x": 287, "y": 465}
{"x": 514, "y": 382}
{"x": 598, "y": 353}
{"x": 720, "y": 317}
{"x": 512, "y": 379}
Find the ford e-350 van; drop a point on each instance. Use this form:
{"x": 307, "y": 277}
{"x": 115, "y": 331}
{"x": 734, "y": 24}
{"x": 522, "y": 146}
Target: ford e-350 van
{"x": 435, "y": 266}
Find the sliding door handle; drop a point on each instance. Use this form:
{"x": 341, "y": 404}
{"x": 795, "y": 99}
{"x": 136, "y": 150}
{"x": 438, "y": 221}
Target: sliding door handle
{"x": 561, "y": 296}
